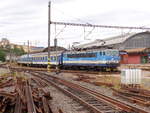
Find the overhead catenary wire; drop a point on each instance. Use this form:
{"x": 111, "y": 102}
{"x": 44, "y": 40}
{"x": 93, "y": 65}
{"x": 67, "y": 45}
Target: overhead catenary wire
{"x": 101, "y": 26}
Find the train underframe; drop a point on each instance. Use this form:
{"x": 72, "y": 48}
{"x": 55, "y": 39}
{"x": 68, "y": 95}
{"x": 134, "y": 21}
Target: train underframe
{"x": 106, "y": 68}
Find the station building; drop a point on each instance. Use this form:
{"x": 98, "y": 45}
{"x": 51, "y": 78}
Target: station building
{"x": 134, "y": 47}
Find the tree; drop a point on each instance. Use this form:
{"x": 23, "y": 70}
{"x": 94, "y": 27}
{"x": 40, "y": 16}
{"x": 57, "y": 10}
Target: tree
{"x": 18, "y": 51}
{"x": 2, "y": 55}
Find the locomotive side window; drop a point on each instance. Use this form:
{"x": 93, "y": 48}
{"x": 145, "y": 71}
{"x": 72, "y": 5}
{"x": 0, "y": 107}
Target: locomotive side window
{"x": 103, "y": 53}
{"x": 81, "y": 55}
{"x": 100, "y": 53}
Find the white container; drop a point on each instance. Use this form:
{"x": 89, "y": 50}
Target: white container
{"x": 130, "y": 76}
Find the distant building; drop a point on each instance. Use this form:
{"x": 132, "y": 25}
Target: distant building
{"x": 53, "y": 48}
{"x": 135, "y": 56}
{"x": 36, "y": 49}
{"x": 4, "y": 42}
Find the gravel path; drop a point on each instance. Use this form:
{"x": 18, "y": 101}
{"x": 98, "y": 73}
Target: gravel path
{"x": 67, "y": 104}
{"x": 3, "y": 71}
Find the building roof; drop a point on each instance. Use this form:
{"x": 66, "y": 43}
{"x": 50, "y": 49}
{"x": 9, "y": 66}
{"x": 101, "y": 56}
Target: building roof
{"x": 52, "y": 48}
{"x": 137, "y": 50}
{"x": 107, "y": 41}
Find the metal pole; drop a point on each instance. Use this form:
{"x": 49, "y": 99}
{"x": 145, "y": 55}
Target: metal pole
{"x": 49, "y": 28}
{"x": 55, "y": 45}
{"x": 28, "y": 53}
{"x": 10, "y": 54}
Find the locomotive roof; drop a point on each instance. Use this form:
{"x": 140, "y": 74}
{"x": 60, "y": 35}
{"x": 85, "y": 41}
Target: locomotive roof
{"x": 95, "y": 50}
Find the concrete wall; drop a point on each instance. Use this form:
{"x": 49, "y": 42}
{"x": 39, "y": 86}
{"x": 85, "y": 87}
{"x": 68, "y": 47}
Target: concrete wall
{"x": 133, "y": 58}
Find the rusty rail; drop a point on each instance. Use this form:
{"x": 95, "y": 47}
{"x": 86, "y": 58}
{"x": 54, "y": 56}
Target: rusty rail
{"x": 119, "y": 104}
{"x": 30, "y": 103}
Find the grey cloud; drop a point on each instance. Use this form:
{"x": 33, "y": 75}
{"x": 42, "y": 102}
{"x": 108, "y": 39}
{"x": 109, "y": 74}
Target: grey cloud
{"x": 24, "y": 19}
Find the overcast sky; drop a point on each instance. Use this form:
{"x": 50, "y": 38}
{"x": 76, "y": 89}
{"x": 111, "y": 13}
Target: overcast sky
{"x": 22, "y": 20}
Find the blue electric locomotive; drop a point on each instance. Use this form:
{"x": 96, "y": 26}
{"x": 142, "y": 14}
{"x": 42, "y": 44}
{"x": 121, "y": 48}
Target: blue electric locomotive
{"x": 96, "y": 59}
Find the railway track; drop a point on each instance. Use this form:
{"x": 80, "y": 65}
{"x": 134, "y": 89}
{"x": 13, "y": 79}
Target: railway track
{"x": 93, "y": 100}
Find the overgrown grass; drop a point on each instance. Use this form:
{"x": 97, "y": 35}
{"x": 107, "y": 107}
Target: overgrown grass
{"x": 114, "y": 80}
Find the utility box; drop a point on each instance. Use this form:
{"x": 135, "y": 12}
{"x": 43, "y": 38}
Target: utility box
{"x": 131, "y": 76}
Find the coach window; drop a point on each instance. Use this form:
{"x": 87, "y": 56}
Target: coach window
{"x": 103, "y": 53}
{"x": 46, "y": 58}
{"x": 55, "y": 58}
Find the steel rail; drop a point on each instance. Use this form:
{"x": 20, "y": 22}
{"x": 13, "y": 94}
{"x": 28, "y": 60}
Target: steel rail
{"x": 79, "y": 99}
{"x": 30, "y": 103}
{"x": 18, "y": 105}
{"x": 118, "y": 103}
